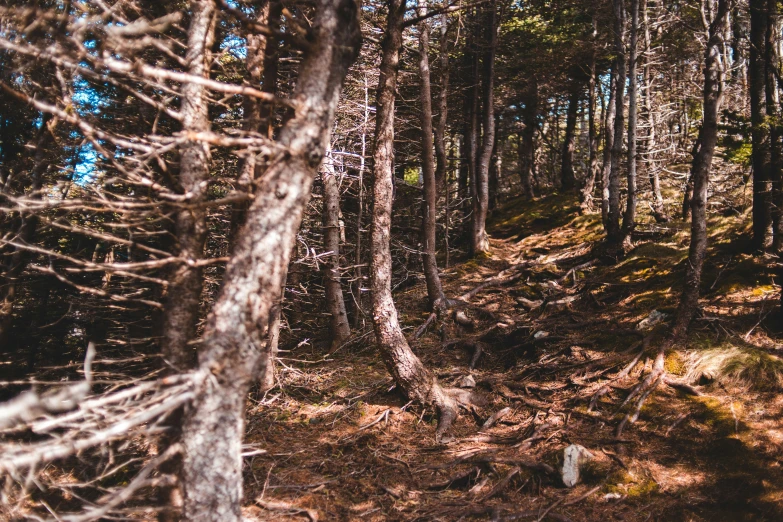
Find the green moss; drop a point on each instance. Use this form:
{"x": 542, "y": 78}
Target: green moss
{"x": 625, "y": 483}
{"x": 675, "y": 363}
{"x": 740, "y": 155}
{"x": 644, "y": 488}
{"x": 470, "y": 264}
{"x": 412, "y": 175}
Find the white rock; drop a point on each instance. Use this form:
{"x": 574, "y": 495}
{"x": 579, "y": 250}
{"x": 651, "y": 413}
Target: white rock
{"x": 540, "y": 334}
{"x": 574, "y": 457}
{"x": 651, "y": 320}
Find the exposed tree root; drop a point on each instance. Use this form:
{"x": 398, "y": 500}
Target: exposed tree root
{"x": 494, "y": 418}
{"x": 603, "y": 390}
{"x": 501, "y": 485}
{"x": 507, "y": 276}
{"x": 682, "y": 386}
{"x": 643, "y": 390}
{"x": 423, "y": 328}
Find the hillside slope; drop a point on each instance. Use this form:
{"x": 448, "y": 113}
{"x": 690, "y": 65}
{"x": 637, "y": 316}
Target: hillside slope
{"x": 555, "y": 329}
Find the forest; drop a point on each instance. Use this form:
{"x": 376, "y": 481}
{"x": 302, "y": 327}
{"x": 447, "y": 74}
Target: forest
{"x": 403, "y": 260}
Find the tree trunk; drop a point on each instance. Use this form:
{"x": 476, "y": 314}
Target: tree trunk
{"x": 267, "y": 373}
{"x": 235, "y": 338}
{"x": 339, "y": 328}
{"x": 430, "y": 206}
{"x": 465, "y": 170}
{"x": 408, "y": 371}
{"x": 184, "y": 292}
{"x": 496, "y": 167}
{"x": 479, "y": 238}
{"x": 614, "y": 232}
{"x": 441, "y": 164}
{"x": 708, "y": 137}
{"x": 658, "y": 210}
{"x": 775, "y": 135}
{"x": 688, "y": 192}
{"x": 608, "y": 147}
{"x": 473, "y": 104}
{"x": 358, "y": 295}
{"x": 629, "y": 218}
{"x": 586, "y": 191}
{"x": 759, "y": 130}
{"x": 527, "y": 151}
{"x": 443, "y": 108}
{"x": 567, "y": 176}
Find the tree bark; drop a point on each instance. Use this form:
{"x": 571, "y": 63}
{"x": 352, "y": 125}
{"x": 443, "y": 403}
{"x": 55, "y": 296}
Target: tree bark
{"x": 358, "y": 294}
{"x": 496, "y": 166}
{"x": 588, "y": 186}
{"x": 708, "y": 137}
{"x": 629, "y": 218}
{"x": 184, "y": 292}
{"x": 443, "y": 107}
{"x": 775, "y": 135}
{"x": 759, "y": 130}
{"x": 465, "y": 170}
{"x": 408, "y": 371}
{"x": 527, "y": 151}
{"x": 614, "y": 232}
{"x": 237, "y": 328}
{"x": 473, "y": 104}
{"x": 430, "y": 206}
{"x": 608, "y": 147}
{"x": 479, "y": 239}
{"x": 567, "y": 176}
{"x": 339, "y": 328}
{"x": 658, "y": 210}
{"x": 441, "y": 163}
{"x": 262, "y": 64}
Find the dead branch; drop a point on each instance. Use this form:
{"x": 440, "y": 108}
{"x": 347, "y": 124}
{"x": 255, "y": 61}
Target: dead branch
{"x": 287, "y": 508}
{"x": 501, "y": 485}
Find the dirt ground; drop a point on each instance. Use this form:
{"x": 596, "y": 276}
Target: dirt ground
{"x": 343, "y": 444}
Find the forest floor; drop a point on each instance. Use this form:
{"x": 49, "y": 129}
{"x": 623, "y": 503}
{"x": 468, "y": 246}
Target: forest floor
{"x": 343, "y": 444}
